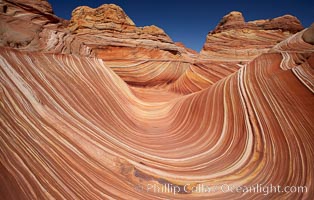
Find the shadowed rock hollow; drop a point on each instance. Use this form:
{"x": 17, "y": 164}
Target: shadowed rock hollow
{"x": 98, "y": 108}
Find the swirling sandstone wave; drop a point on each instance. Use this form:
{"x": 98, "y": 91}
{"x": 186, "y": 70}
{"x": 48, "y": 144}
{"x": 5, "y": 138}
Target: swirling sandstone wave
{"x": 71, "y": 128}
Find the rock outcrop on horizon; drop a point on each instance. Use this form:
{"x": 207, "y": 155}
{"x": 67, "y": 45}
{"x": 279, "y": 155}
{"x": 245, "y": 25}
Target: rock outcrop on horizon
{"x": 90, "y": 32}
{"x": 105, "y": 32}
{"x": 98, "y": 108}
{"x": 110, "y": 30}
{"x": 235, "y": 39}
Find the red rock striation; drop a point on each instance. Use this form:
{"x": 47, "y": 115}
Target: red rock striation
{"x": 77, "y": 123}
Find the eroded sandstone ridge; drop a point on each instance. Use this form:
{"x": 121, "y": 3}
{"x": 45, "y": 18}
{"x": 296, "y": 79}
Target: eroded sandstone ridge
{"x": 98, "y": 108}
{"x": 32, "y": 26}
{"x": 233, "y": 38}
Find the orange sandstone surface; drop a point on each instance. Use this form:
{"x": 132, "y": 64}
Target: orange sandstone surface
{"x": 98, "y": 108}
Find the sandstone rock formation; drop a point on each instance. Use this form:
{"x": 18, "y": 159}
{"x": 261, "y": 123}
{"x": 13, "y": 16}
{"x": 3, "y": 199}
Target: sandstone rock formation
{"x": 23, "y": 20}
{"x": 90, "y": 31}
{"x": 117, "y": 32}
{"x": 77, "y": 123}
{"x": 308, "y": 35}
{"x": 105, "y": 32}
{"x": 235, "y": 39}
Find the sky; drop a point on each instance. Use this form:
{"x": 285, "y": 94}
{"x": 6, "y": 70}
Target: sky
{"x": 189, "y": 21}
